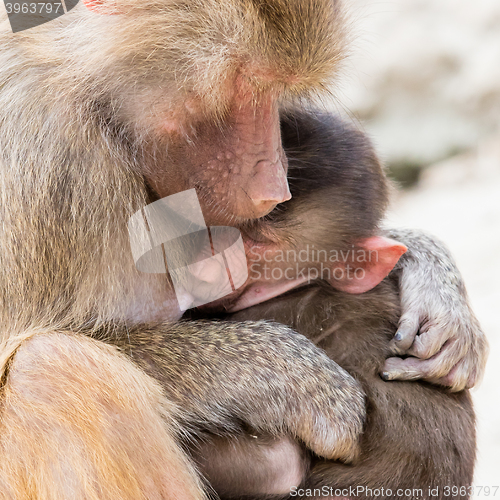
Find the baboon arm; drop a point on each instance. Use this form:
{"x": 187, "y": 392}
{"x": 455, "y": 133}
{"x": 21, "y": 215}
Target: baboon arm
{"x": 438, "y": 329}
{"x": 227, "y": 377}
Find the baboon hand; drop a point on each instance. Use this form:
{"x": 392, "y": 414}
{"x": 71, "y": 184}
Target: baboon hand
{"x": 300, "y": 390}
{"x": 450, "y": 349}
{"x": 437, "y": 329}
{"x": 229, "y": 377}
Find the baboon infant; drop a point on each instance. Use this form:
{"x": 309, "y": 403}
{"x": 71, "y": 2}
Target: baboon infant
{"x": 417, "y": 436}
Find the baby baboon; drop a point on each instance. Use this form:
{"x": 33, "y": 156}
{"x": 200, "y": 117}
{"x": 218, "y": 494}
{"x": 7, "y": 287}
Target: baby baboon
{"x": 417, "y": 436}
{"x": 418, "y": 440}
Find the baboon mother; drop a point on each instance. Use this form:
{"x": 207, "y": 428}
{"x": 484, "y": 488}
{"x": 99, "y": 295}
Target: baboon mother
{"x": 103, "y": 111}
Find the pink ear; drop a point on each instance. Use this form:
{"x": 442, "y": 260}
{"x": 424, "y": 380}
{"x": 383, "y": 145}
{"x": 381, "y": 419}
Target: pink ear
{"x": 367, "y": 264}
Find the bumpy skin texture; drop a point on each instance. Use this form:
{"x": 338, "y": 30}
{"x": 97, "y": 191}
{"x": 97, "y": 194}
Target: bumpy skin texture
{"x": 416, "y": 434}
{"x": 94, "y": 111}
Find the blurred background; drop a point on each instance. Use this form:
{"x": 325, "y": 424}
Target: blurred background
{"x": 424, "y": 81}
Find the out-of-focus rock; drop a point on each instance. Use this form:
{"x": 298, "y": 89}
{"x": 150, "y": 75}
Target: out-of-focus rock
{"x": 479, "y": 165}
{"x": 426, "y": 81}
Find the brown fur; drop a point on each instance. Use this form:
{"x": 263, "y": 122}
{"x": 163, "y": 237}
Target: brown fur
{"x": 94, "y": 109}
{"x": 67, "y": 403}
{"x": 417, "y": 436}
{"x": 73, "y": 153}
{"x": 81, "y": 100}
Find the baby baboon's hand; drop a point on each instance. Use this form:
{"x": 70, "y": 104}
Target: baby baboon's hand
{"x": 438, "y": 329}
{"x": 231, "y": 376}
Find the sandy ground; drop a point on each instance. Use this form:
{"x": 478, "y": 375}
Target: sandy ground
{"x": 459, "y": 201}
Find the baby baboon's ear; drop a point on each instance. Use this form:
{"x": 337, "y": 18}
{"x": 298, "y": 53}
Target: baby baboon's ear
{"x": 367, "y": 265}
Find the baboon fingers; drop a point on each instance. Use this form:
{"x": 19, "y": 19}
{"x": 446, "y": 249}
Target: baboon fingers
{"x": 429, "y": 342}
{"x": 404, "y": 337}
{"x": 431, "y": 370}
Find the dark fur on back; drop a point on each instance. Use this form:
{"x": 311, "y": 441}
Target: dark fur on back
{"x": 417, "y": 436}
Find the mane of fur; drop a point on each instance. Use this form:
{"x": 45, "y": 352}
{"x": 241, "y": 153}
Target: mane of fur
{"x": 70, "y": 172}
